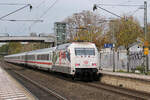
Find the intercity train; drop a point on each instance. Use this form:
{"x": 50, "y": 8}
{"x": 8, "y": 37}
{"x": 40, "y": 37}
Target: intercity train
{"x": 78, "y": 59}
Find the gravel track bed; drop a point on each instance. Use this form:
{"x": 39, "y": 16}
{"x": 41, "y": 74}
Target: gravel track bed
{"x": 71, "y": 90}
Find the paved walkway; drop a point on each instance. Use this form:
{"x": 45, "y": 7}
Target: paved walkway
{"x": 10, "y": 89}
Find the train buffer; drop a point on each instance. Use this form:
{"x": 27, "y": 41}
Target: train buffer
{"x": 10, "y": 89}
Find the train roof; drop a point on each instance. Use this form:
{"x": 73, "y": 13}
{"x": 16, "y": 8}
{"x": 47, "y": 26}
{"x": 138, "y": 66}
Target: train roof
{"x": 64, "y": 46}
{"x": 12, "y": 55}
{"x": 43, "y": 50}
{"x": 34, "y": 51}
{"x": 46, "y": 50}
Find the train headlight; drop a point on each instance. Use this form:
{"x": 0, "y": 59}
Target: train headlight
{"x": 77, "y": 64}
{"x": 94, "y": 64}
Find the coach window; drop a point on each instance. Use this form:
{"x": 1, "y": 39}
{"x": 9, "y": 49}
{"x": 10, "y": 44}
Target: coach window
{"x": 18, "y": 57}
{"x": 23, "y": 57}
{"x": 43, "y": 57}
{"x": 50, "y": 56}
{"x": 31, "y": 57}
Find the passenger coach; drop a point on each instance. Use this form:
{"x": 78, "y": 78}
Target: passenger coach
{"x": 78, "y": 59}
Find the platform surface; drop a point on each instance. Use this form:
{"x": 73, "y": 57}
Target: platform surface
{"x": 10, "y": 89}
{"x": 128, "y": 75}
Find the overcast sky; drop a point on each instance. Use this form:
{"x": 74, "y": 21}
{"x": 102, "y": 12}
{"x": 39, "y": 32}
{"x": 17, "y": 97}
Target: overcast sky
{"x": 58, "y": 12}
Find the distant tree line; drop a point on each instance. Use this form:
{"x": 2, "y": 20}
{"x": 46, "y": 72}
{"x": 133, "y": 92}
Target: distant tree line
{"x": 17, "y": 47}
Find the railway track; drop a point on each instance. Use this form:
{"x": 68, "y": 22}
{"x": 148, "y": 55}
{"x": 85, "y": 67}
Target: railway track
{"x": 38, "y": 90}
{"x": 133, "y": 95}
{"x": 136, "y": 95}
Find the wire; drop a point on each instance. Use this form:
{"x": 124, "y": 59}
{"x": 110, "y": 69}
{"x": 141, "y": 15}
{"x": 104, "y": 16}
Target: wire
{"x": 13, "y": 20}
{"x": 40, "y": 3}
{"x": 125, "y": 2}
{"x": 44, "y": 13}
{"x": 118, "y": 5}
{"x": 15, "y": 11}
{"x": 109, "y": 12}
{"x": 12, "y": 4}
{"x": 135, "y": 11}
{"x": 48, "y": 9}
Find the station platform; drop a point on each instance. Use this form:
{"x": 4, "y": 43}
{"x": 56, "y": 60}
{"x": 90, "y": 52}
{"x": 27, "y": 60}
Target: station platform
{"x": 127, "y": 75}
{"x": 10, "y": 89}
{"x": 127, "y": 80}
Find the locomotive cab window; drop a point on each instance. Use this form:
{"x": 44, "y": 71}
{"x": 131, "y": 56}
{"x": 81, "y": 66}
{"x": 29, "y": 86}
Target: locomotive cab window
{"x": 84, "y": 51}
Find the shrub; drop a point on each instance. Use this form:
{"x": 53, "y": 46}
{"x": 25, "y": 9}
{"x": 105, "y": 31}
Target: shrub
{"x": 140, "y": 68}
{"x": 121, "y": 71}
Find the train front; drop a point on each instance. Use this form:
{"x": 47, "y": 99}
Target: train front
{"x": 85, "y": 61}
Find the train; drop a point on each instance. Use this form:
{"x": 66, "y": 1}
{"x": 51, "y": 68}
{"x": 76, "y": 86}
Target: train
{"x": 80, "y": 60}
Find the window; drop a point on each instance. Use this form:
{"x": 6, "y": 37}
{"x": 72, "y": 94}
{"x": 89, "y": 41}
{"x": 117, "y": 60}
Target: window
{"x": 30, "y": 57}
{"x": 23, "y": 57}
{"x": 50, "y": 56}
{"x": 84, "y": 51}
{"x": 43, "y": 57}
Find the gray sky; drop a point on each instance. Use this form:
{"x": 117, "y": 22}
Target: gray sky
{"x": 61, "y": 10}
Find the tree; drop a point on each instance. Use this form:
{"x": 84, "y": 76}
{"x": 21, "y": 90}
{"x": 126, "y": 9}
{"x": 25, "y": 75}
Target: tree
{"x": 4, "y": 48}
{"x": 126, "y": 31}
{"x": 14, "y": 47}
{"x": 34, "y": 46}
{"x": 85, "y": 26}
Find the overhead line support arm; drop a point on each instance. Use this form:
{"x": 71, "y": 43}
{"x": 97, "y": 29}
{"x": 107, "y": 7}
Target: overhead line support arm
{"x": 16, "y": 11}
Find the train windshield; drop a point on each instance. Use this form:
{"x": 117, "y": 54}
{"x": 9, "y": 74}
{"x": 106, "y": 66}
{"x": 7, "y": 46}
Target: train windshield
{"x": 84, "y": 51}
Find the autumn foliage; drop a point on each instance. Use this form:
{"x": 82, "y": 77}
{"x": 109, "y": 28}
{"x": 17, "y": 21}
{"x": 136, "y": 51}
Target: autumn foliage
{"x": 91, "y": 27}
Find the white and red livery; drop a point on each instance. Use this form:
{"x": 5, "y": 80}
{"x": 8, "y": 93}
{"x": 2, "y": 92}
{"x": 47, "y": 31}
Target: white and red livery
{"x": 78, "y": 59}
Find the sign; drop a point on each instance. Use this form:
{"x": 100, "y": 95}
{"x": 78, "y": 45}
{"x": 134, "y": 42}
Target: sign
{"x": 146, "y": 51}
{"x": 108, "y": 46}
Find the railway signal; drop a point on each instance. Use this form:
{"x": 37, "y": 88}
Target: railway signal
{"x": 146, "y": 51}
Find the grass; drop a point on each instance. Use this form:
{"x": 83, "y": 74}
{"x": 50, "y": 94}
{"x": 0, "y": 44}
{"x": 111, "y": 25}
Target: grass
{"x": 141, "y": 69}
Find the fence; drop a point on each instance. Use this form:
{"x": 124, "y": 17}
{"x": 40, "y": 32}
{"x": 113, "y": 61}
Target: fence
{"x": 135, "y": 59}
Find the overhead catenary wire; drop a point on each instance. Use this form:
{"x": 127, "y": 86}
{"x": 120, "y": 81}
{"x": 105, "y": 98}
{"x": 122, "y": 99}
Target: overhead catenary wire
{"x": 15, "y": 11}
{"x": 27, "y": 20}
{"x": 135, "y": 11}
{"x": 118, "y": 5}
{"x": 110, "y": 12}
{"x": 124, "y": 5}
{"x": 44, "y": 13}
{"x": 48, "y": 9}
{"x": 40, "y": 3}
{"x": 12, "y": 4}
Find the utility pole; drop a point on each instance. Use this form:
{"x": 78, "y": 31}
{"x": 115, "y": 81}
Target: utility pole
{"x": 145, "y": 33}
{"x": 145, "y": 19}
{"x": 113, "y": 47}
